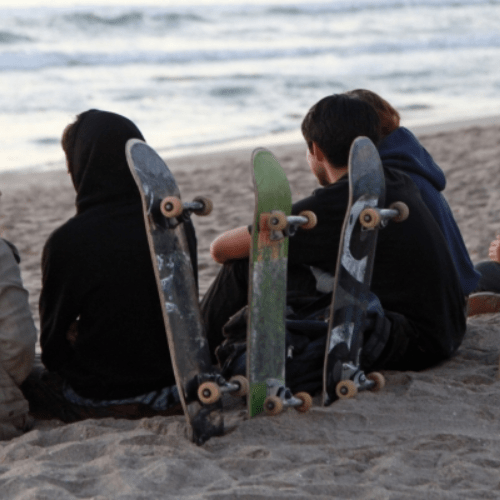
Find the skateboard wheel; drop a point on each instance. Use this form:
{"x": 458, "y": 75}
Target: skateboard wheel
{"x": 273, "y": 405}
{"x": 306, "y": 402}
{"x": 243, "y": 383}
{"x": 379, "y": 380}
{"x": 171, "y": 207}
{"x": 277, "y": 221}
{"x": 369, "y": 218}
{"x": 346, "y": 389}
{"x": 208, "y": 393}
{"x": 403, "y": 210}
{"x": 208, "y": 206}
{"x": 312, "y": 220}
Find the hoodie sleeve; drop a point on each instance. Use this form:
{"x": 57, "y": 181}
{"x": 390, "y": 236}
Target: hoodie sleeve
{"x": 59, "y": 300}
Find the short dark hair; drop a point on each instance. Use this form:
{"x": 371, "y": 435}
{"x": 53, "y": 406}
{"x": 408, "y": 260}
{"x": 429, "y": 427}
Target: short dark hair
{"x": 335, "y": 121}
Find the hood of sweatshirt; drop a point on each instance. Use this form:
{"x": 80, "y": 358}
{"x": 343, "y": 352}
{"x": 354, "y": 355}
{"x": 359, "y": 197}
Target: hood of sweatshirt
{"x": 402, "y": 150}
{"x": 99, "y": 168}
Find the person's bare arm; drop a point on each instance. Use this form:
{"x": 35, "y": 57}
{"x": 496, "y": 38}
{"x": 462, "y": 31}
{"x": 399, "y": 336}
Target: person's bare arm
{"x": 494, "y": 251}
{"x": 233, "y": 244}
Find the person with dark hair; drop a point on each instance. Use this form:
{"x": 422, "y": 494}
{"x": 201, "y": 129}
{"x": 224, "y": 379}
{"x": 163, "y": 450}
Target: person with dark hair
{"x": 103, "y": 339}
{"x": 416, "y": 314}
{"x": 334, "y": 122}
{"x": 401, "y": 150}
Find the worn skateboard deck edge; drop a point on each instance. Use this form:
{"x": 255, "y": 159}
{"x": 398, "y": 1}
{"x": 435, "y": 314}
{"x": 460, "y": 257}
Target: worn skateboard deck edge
{"x": 353, "y": 275}
{"x": 267, "y": 282}
{"x": 179, "y": 300}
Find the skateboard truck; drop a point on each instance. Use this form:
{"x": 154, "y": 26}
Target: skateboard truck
{"x": 177, "y": 211}
{"x": 210, "y": 391}
{"x": 370, "y": 218}
{"x": 354, "y": 380}
{"x": 282, "y": 225}
{"x": 280, "y": 397}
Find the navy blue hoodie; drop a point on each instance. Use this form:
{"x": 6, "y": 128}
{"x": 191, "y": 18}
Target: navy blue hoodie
{"x": 402, "y": 150}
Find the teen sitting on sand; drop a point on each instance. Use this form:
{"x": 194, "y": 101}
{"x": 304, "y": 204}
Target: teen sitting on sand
{"x": 103, "y": 338}
{"x": 17, "y": 341}
{"x": 416, "y": 317}
{"x": 401, "y": 150}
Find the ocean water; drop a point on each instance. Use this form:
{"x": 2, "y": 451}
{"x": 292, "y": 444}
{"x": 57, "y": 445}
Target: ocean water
{"x": 207, "y": 73}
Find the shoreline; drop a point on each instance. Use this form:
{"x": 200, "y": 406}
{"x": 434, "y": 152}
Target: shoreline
{"x": 291, "y": 138}
{"x": 273, "y": 141}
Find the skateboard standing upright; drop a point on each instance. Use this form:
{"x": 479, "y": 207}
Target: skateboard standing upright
{"x": 343, "y": 377}
{"x": 198, "y": 382}
{"x": 267, "y": 288}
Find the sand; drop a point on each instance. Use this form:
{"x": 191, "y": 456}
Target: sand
{"x": 428, "y": 435}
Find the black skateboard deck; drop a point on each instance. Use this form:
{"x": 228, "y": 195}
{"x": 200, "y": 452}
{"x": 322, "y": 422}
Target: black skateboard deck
{"x": 176, "y": 287}
{"x": 365, "y": 214}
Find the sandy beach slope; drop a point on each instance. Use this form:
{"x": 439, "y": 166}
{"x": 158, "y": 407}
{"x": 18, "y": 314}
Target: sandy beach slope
{"x": 429, "y": 435}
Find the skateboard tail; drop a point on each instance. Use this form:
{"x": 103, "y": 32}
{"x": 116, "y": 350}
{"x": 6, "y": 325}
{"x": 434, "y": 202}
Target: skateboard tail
{"x": 266, "y": 332}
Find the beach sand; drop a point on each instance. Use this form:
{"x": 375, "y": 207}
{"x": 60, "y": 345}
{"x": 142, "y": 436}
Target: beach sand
{"x": 428, "y": 435}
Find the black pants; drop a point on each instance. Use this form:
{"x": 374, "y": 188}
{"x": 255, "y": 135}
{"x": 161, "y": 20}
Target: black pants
{"x": 307, "y": 323}
{"x": 44, "y": 392}
{"x": 228, "y": 294}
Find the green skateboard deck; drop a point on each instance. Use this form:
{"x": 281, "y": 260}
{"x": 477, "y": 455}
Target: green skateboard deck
{"x": 267, "y": 281}
{"x": 266, "y": 335}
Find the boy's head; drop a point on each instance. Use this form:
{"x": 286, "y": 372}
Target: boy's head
{"x": 389, "y": 117}
{"x": 97, "y": 139}
{"x": 335, "y": 121}
{"x": 94, "y": 145}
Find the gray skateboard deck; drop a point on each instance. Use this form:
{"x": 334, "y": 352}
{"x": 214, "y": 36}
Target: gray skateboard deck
{"x": 177, "y": 290}
{"x": 365, "y": 214}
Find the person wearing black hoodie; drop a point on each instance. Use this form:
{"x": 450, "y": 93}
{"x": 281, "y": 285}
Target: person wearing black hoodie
{"x": 103, "y": 339}
{"x": 416, "y": 315}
